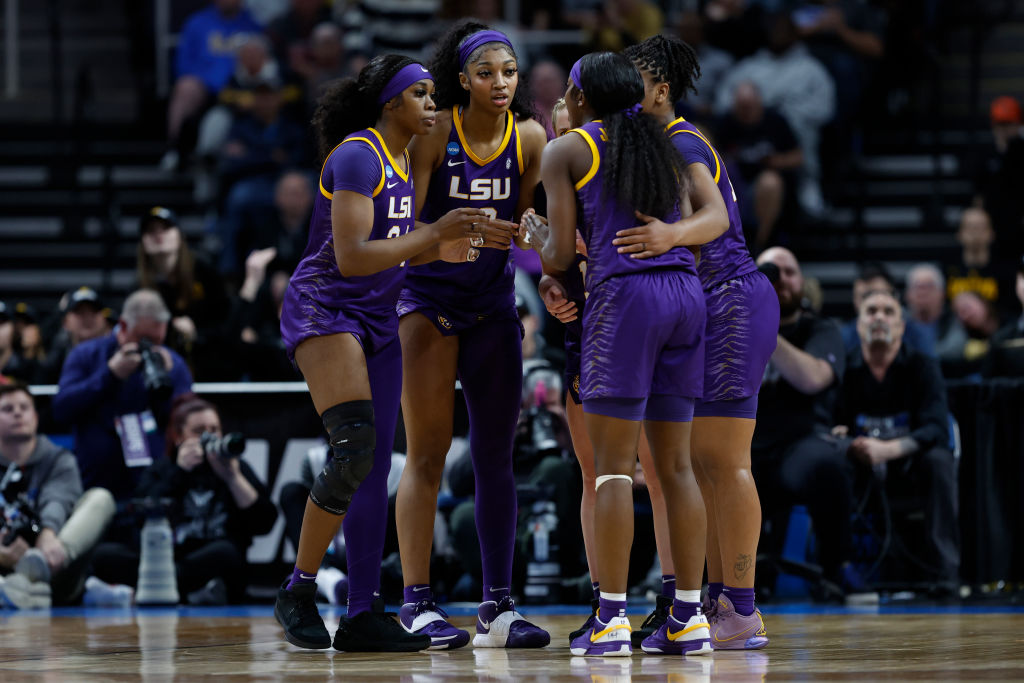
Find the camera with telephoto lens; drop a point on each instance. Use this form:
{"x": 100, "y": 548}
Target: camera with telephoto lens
{"x": 227, "y": 446}
{"x": 154, "y": 373}
{"x": 19, "y": 516}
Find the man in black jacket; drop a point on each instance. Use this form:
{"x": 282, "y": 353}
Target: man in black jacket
{"x": 893, "y": 404}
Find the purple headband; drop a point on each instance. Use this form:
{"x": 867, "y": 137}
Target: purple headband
{"x": 405, "y": 77}
{"x": 574, "y": 74}
{"x": 634, "y": 111}
{"x": 471, "y": 42}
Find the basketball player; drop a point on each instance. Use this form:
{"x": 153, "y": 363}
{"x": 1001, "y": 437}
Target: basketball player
{"x": 459, "y": 321}
{"x": 642, "y": 347}
{"x": 742, "y": 318}
{"x": 339, "y": 326}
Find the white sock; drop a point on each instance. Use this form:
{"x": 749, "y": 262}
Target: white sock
{"x": 688, "y": 596}
{"x": 619, "y": 597}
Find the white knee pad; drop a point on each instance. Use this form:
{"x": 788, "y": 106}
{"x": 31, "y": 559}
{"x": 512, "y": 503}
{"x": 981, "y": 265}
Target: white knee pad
{"x": 608, "y": 477}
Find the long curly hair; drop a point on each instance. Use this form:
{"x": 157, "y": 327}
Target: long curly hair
{"x": 641, "y": 166}
{"x": 668, "y": 60}
{"x": 351, "y": 103}
{"x": 445, "y": 66}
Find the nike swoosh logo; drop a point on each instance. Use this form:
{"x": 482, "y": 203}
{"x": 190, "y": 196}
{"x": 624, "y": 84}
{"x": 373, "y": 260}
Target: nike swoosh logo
{"x": 421, "y": 588}
{"x": 759, "y": 629}
{"x": 498, "y": 590}
{"x": 594, "y": 637}
{"x": 455, "y": 163}
{"x": 390, "y": 185}
{"x": 683, "y": 632}
{"x": 436, "y": 638}
{"x": 484, "y": 624}
{"x": 307, "y": 577}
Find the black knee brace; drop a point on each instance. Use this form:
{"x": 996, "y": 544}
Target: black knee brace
{"x": 352, "y": 437}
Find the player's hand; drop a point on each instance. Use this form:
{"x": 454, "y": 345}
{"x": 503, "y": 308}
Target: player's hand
{"x": 52, "y": 549}
{"x": 185, "y": 327}
{"x": 10, "y": 554}
{"x": 653, "y": 238}
{"x": 553, "y": 294}
{"x": 190, "y": 454}
{"x": 537, "y": 229}
{"x": 224, "y": 467}
{"x": 125, "y": 360}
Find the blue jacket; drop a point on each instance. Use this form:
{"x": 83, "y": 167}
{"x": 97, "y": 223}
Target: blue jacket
{"x": 90, "y": 397}
{"x": 209, "y": 43}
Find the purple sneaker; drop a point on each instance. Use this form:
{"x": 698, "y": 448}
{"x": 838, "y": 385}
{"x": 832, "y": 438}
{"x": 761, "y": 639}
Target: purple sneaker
{"x": 498, "y": 624}
{"x": 709, "y": 609}
{"x": 604, "y": 640}
{"x": 733, "y": 631}
{"x": 427, "y": 619}
{"x": 676, "y": 638}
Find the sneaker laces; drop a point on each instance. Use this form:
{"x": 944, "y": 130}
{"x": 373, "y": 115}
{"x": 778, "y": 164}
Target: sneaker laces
{"x": 506, "y": 604}
{"x": 428, "y": 606}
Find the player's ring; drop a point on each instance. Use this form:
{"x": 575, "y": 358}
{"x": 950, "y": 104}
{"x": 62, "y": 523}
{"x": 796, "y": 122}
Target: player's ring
{"x": 476, "y": 241}
{"x": 472, "y": 254}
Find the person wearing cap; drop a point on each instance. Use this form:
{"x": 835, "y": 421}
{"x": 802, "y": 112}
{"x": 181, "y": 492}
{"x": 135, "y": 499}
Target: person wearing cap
{"x": 1006, "y": 347}
{"x": 12, "y": 364}
{"x": 998, "y": 181}
{"x": 82, "y": 318}
{"x": 118, "y": 424}
{"x": 191, "y": 288}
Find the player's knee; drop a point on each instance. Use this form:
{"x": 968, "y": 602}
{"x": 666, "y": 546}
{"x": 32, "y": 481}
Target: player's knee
{"x": 770, "y": 181}
{"x": 353, "y": 438}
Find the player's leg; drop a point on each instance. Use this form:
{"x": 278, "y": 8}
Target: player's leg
{"x": 585, "y": 456}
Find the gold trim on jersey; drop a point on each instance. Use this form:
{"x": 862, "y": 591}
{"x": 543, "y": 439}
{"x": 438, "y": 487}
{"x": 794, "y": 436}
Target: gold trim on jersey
{"x": 519, "y": 147}
{"x": 380, "y": 185}
{"x": 404, "y": 175}
{"x": 509, "y": 126}
{"x": 596, "y": 155}
{"x": 718, "y": 162}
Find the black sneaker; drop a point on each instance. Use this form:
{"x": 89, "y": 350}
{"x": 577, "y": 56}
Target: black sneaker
{"x": 377, "y": 631}
{"x": 653, "y": 621}
{"x": 595, "y": 604}
{"x": 296, "y": 611}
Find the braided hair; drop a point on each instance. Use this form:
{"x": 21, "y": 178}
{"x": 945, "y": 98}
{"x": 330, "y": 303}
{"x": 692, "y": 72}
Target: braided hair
{"x": 446, "y": 67}
{"x": 351, "y": 103}
{"x": 641, "y": 165}
{"x": 667, "y": 60}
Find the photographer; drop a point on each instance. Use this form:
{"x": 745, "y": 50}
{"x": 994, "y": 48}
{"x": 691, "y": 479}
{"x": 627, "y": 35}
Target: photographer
{"x": 115, "y": 392}
{"x": 48, "y": 526}
{"x": 218, "y": 505}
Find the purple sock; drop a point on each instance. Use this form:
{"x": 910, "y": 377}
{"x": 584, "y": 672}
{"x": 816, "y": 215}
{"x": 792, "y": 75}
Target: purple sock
{"x": 682, "y": 611}
{"x": 742, "y": 599}
{"x": 417, "y": 592}
{"x": 300, "y": 577}
{"x": 610, "y": 609}
{"x": 493, "y": 392}
{"x": 714, "y": 590}
{"x": 596, "y": 585}
{"x": 668, "y": 585}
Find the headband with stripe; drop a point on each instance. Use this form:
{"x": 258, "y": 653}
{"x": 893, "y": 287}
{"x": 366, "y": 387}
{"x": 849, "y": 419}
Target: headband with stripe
{"x": 471, "y": 42}
{"x": 405, "y": 77}
{"x": 574, "y": 74}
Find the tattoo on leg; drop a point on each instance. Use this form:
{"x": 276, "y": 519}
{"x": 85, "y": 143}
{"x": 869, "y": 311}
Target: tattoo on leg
{"x": 743, "y": 565}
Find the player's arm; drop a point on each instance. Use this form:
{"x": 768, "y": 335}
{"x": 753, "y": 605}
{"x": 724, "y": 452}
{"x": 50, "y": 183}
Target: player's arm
{"x": 564, "y": 160}
{"x": 707, "y": 222}
{"x": 532, "y": 138}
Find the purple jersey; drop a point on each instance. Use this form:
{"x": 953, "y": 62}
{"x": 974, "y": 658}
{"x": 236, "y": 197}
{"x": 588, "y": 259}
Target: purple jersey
{"x": 362, "y": 163}
{"x": 604, "y": 215}
{"x": 727, "y": 256}
{"x": 491, "y": 184}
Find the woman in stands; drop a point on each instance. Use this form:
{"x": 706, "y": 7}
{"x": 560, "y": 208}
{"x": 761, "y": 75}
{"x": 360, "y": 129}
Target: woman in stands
{"x": 459, "y": 322}
{"x": 742, "y": 320}
{"x": 642, "y": 348}
{"x": 339, "y": 326}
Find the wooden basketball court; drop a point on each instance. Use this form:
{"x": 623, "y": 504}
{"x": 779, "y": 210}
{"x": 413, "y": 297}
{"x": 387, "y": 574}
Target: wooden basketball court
{"x": 246, "y": 644}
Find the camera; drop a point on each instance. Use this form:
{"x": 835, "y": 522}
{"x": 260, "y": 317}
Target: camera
{"x": 227, "y": 446}
{"x": 154, "y": 374}
{"x": 19, "y": 517}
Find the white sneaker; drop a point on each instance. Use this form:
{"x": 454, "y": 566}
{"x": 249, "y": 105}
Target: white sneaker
{"x": 17, "y": 592}
{"x": 33, "y": 566}
{"x": 101, "y": 594}
{"x": 610, "y": 639}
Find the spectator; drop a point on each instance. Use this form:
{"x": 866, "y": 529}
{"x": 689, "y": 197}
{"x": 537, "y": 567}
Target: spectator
{"x": 845, "y": 36}
{"x": 796, "y": 84}
{"x": 714, "y": 64}
{"x": 257, "y": 318}
{"x": 328, "y": 62}
{"x": 28, "y": 336}
{"x": 291, "y": 32}
{"x": 736, "y": 26}
{"x": 219, "y": 504}
{"x": 49, "y": 568}
{"x": 893, "y": 404}
{"x": 874, "y": 276}
{"x": 205, "y": 60}
{"x": 978, "y": 270}
{"x": 1006, "y": 348}
{"x": 978, "y": 318}
{"x": 191, "y": 288}
{"x": 84, "y": 318}
{"x": 998, "y": 183}
{"x": 104, "y": 397}
{"x": 626, "y": 22}
{"x": 285, "y": 226}
{"x": 926, "y": 305}
{"x": 547, "y": 85}
{"x": 12, "y": 364}
{"x": 767, "y": 155}
{"x": 795, "y": 459}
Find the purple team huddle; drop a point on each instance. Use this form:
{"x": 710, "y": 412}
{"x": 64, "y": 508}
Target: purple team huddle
{"x": 407, "y": 285}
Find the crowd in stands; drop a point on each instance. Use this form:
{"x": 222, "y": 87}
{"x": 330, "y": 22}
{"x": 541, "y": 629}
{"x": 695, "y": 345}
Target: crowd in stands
{"x": 779, "y": 80}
